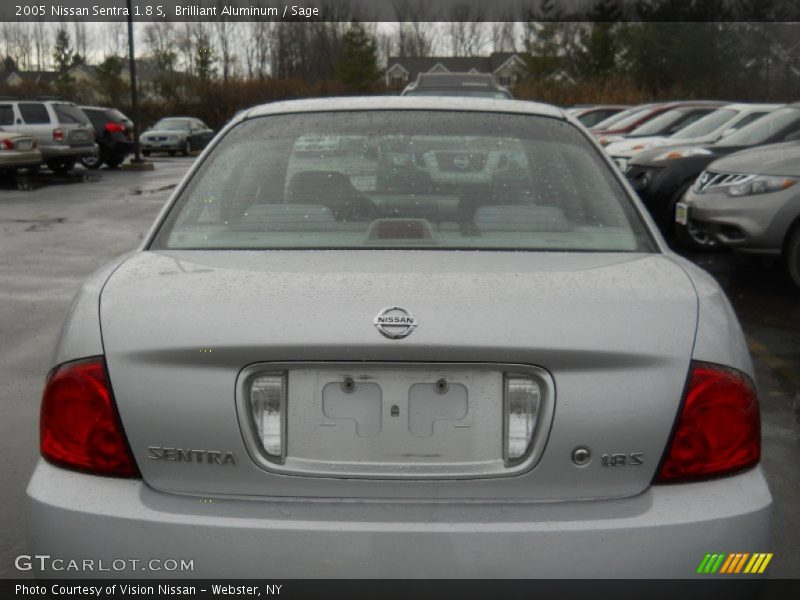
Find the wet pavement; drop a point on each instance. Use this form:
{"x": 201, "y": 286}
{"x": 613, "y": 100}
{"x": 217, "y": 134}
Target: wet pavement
{"x": 55, "y": 231}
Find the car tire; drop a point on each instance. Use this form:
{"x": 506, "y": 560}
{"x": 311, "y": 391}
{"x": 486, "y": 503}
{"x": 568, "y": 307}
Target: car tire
{"x": 91, "y": 162}
{"x": 146, "y": 152}
{"x": 60, "y": 166}
{"x": 187, "y": 148}
{"x": 793, "y": 256}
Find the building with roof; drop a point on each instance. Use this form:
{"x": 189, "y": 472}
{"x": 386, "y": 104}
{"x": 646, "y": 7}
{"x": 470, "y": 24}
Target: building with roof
{"x": 508, "y": 68}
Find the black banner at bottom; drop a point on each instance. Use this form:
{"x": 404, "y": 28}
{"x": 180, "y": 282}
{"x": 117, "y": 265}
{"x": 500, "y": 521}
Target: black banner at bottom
{"x": 417, "y": 589}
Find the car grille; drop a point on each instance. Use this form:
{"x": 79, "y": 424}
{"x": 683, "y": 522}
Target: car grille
{"x": 157, "y": 138}
{"x": 712, "y": 179}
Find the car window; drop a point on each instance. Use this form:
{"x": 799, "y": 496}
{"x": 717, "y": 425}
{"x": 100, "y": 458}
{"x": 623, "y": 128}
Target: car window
{"x": 763, "y": 129}
{"x": 6, "y": 114}
{"x": 594, "y": 117}
{"x": 97, "y": 117}
{"x": 747, "y": 119}
{"x": 670, "y": 121}
{"x": 70, "y": 114}
{"x": 34, "y": 113}
{"x": 705, "y": 125}
{"x": 621, "y": 116}
{"x": 404, "y": 179}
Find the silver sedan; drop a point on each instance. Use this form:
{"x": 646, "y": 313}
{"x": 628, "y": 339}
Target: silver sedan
{"x": 455, "y": 347}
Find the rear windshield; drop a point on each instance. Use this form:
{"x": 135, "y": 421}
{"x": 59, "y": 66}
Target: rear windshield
{"x": 172, "y": 124}
{"x": 69, "y": 113}
{"x": 672, "y": 120}
{"x": 404, "y": 179}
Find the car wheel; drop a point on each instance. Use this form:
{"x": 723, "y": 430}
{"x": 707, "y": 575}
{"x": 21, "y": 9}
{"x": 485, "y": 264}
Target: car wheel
{"x": 793, "y": 256}
{"x": 187, "y": 148}
{"x": 91, "y": 162}
{"x": 60, "y": 166}
{"x": 146, "y": 152}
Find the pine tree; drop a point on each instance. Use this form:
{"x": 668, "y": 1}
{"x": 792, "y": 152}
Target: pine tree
{"x": 358, "y": 64}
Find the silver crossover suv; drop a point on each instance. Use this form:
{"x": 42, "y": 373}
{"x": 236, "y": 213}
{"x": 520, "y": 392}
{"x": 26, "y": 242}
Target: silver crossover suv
{"x": 62, "y": 131}
{"x": 750, "y": 201}
{"x": 456, "y": 347}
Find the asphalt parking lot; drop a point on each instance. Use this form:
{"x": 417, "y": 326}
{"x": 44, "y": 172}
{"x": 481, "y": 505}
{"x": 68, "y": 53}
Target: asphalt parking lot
{"x": 53, "y": 236}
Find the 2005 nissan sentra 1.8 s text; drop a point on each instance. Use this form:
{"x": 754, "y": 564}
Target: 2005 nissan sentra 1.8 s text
{"x": 451, "y": 344}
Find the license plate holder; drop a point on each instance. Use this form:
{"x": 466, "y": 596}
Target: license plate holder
{"x": 681, "y": 213}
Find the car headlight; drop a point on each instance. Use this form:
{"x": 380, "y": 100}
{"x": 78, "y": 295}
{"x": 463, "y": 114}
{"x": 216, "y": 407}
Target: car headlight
{"x": 673, "y": 154}
{"x": 760, "y": 184}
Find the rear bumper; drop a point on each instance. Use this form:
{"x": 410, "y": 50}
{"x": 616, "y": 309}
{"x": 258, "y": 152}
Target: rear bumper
{"x": 662, "y": 533}
{"x": 52, "y": 152}
{"x": 10, "y": 160}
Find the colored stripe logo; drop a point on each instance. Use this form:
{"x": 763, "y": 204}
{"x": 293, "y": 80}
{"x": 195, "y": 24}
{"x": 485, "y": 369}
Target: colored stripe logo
{"x": 736, "y": 562}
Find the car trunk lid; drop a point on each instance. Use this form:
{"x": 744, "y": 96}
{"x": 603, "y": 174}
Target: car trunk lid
{"x": 611, "y": 334}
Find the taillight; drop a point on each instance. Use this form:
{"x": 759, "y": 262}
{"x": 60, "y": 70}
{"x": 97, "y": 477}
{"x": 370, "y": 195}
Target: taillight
{"x": 112, "y": 127}
{"x": 718, "y": 431}
{"x": 79, "y": 426}
{"x": 6, "y": 144}
{"x": 58, "y": 135}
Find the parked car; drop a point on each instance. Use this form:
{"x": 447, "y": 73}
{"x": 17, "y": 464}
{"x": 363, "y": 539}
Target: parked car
{"x": 589, "y": 116}
{"x": 709, "y": 128}
{"x": 607, "y": 124}
{"x": 456, "y": 84}
{"x": 657, "y": 119}
{"x": 176, "y": 134}
{"x": 519, "y": 361}
{"x": 750, "y": 201}
{"x": 63, "y": 132}
{"x": 18, "y": 152}
{"x": 662, "y": 176}
{"x": 113, "y": 134}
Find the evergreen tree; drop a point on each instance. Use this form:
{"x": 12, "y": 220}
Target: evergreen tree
{"x": 358, "y": 64}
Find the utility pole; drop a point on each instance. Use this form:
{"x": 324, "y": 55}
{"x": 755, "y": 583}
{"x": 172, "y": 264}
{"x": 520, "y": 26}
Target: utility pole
{"x": 136, "y": 162}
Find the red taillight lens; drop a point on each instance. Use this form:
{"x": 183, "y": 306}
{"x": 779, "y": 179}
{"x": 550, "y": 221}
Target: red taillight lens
{"x": 112, "y": 127}
{"x": 6, "y": 144}
{"x": 79, "y": 426}
{"x": 58, "y": 135}
{"x": 718, "y": 431}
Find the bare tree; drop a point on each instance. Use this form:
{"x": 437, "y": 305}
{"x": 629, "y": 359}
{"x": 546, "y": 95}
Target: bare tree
{"x": 82, "y": 41}
{"x": 504, "y": 36}
{"x": 415, "y": 36}
{"x": 41, "y": 44}
{"x": 115, "y": 39}
{"x": 224, "y": 31}
{"x": 466, "y": 30}
{"x": 16, "y": 43}
{"x": 257, "y": 49}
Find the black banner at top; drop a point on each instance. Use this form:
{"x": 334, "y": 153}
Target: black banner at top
{"x": 402, "y": 10}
